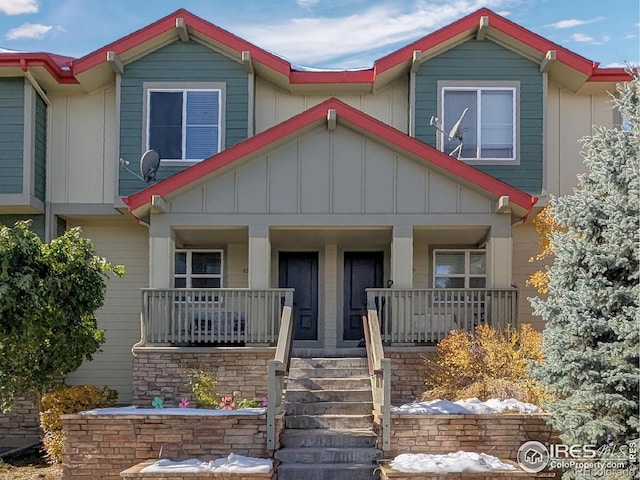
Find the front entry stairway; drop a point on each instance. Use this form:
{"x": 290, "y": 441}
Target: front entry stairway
{"x": 328, "y": 431}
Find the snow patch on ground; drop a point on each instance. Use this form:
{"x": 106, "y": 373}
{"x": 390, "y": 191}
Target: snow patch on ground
{"x": 467, "y": 406}
{"x": 201, "y": 412}
{"x": 231, "y": 464}
{"x": 448, "y": 463}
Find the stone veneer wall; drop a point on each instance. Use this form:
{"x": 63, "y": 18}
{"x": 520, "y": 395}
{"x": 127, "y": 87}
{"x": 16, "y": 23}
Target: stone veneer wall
{"x": 497, "y": 435}
{"x": 102, "y": 446}
{"x": 161, "y": 371}
{"x": 21, "y": 425}
{"x": 407, "y": 372}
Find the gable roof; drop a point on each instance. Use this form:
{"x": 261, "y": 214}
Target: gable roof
{"x": 352, "y": 118}
{"x": 93, "y": 70}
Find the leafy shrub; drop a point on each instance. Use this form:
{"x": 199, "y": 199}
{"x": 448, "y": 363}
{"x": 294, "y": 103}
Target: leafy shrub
{"x": 203, "y": 386}
{"x": 249, "y": 403}
{"x": 486, "y": 364}
{"x": 68, "y": 399}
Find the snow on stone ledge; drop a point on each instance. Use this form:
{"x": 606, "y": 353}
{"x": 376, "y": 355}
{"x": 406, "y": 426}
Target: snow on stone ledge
{"x": 467, "y": 406}
{"x": 200, "y": 412}
{"x": 231, "y": 464}
{"x": 457, "y": 462}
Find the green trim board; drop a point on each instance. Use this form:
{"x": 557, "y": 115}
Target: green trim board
{"x": 486, "y": 62}
{"x": 12, "y": 93}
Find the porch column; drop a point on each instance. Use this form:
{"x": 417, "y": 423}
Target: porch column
{"x": 330, "y": 323}
{"x": 500, "y": 254}
{"x": 161, "y": 256}
{"x": 402, "y": 256}
{"x": 259, "y": 256}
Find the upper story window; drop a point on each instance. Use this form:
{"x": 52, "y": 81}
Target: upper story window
{"x": 459, "y": 269}
{"x": 198, "y": 269}
{"x": 184, "y": 124}
{"x": 489, "y": 125}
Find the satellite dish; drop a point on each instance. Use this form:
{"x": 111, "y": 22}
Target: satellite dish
{"x": 149, "y": 163}
{"x": 454, "y": 134}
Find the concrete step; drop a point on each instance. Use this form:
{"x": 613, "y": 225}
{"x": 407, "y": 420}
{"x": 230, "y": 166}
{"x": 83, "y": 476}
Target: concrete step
{"x": 319, "y": 383}
{"x": 328, "y": 363}
{"x": 295, "y": 396}
{"x": 324, "y": 408}
{"x": 327, "y": 471}
{"x": 355, "y": 438}
{"x": 332, "y": 372}
{"x": 328, "y": 455}
{"x": 338, "y": 422}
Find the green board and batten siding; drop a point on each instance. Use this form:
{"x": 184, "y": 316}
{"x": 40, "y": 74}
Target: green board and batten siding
{"x": 11, "y": 135}
{"x": 40, "y": 150}
{"x": 177, "y": 62}
{"x": 37, "y": 226}
{"x": 486, "y": 61}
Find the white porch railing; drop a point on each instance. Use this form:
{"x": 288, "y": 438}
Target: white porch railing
{"x": 427, "y": 316}
{"x": 187, "y": 316}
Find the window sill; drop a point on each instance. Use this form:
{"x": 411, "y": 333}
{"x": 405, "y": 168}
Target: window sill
{"x": 179, "y": 163}
{"x": 492, "y": 161}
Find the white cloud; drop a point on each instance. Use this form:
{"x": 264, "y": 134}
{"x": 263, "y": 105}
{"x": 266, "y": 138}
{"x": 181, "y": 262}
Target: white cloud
{"x": 631, "y": 36}
{"x": 378, "y": 28}
{"x": 306, "y": 3}
{"x": 573, "y": 23}
{"x": 580, "y": 37}
{"x": 17, "y": 7}
{"x": 30, "y": 30}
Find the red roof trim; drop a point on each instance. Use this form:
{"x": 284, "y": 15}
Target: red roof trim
{"x": 610, "y": 75}
{"x": 52, "y": 63}
{"x": 167, "y": 23}
{"x": 316, "y": 114}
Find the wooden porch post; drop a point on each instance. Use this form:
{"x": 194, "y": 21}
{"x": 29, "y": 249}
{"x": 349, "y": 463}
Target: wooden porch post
{"x": 161, "y": 251}
{"x": 500, "y": 254}
{"x": 259, "y": 256}
{"x": 402, "y": 256}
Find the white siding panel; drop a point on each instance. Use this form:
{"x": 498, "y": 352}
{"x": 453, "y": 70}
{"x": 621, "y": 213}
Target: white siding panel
{"x": 189, "y": 201}
{"x": 473, "y": 202}
{"x": 525, "y": 246}
{"x": 236, "y": 265}
{"x": 315, "y": 172}
{"x": 220, "y": 194}
{"x": 443, "y": 194}
{"x": 379, "y": 178}
{"x": 412, "y": 187}
{"x": 283, "y": 179}
{"x": 121, "y": 242}
{"x": 252, "y": 186}
{"x": 347, "y": 171}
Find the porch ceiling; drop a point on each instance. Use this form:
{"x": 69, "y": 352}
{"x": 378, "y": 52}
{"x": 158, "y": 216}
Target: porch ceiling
{"x": 316, "y": 237}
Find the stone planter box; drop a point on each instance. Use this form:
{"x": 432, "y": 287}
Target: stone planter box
{"x": 134, "y": 473}
{"x": 102, "y": 446}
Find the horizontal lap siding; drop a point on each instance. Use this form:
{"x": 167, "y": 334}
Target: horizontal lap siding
{"x": 487, "y": 61}
{"x": 177, "y": 62}
{"x": 11, "y": 134}
{"x": 40, "y": 148}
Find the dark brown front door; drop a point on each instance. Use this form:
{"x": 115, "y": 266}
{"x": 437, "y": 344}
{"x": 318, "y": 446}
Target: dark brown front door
{"x": 299, "y": 270}
{"x": 362, "y": 270}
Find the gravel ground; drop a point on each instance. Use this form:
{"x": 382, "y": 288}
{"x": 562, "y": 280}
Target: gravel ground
{"x": 28, "y": 465}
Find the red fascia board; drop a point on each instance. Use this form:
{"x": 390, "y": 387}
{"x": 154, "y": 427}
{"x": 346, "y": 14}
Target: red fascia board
{"x": 167, "y": 23}
{"x": 344, "y": 113}
{"x": 469, "y": 24}
{"x": 354, "y": 76}
{"x": 45, "y": 60}
{"x": 610, "y": 75}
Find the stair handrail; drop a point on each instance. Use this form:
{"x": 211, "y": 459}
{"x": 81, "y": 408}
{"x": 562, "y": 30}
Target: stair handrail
{"x": 379, "y": 370}
{"x": 278, "y": 369}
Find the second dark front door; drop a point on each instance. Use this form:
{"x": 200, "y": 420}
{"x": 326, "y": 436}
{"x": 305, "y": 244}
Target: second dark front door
{"x": 299, "y": 270}
{"x": 362, "y": 270}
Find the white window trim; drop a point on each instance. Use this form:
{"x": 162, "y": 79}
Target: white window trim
{"x": 483, "y": 85}
{"x": 189, "y": 275}
{"x": 467, "y": 264}
{"x": 181, "y": 87}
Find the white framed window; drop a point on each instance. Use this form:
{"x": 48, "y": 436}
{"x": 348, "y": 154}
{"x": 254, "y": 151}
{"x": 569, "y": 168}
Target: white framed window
{"x": 184, "y": 124}
{"x": 198, "y": 269}
{"x": 454, "y": 268}
{"x": 489, "y": 126}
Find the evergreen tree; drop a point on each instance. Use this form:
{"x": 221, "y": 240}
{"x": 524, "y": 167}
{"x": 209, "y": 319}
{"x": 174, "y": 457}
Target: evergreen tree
{"x": 592, "y": 314}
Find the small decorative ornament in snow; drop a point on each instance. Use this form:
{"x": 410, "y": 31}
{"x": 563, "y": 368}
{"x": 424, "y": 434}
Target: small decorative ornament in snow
{"x": 265, "y": 401}
{"x": 157, "y": 403}
{"x": 227, "y": 403}
{"x": 184, "y": 403}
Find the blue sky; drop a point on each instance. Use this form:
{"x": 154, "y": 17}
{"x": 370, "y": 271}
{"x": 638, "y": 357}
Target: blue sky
{"x": 322, "y": 33}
